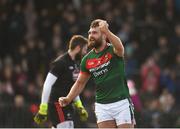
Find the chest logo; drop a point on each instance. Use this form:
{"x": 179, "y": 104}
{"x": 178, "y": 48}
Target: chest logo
{"x": 93, "y": 63}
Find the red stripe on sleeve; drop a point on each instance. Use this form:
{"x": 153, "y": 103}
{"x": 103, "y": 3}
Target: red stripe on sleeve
{"x": 81, "y": 72}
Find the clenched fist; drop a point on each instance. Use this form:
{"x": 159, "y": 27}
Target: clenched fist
{"x": 64, "y": 101}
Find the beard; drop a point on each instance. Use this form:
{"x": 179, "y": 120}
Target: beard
{"x": 95, "y": 43}
{"x": 78, "y": 57}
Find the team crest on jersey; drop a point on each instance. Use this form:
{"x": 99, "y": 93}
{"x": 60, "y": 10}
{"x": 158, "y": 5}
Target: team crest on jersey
{"x": 93, "y": 63}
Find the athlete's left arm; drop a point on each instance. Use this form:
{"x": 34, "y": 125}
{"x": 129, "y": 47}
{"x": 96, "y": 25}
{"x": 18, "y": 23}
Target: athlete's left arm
{"x": 116, "y": 42}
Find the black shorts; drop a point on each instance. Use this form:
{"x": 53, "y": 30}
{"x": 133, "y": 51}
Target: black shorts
{"x": 57, "y": 114}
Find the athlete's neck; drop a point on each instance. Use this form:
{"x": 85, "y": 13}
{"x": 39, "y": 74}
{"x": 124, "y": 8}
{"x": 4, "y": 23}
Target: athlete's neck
{"x": 101, "y": 48}
{"x": 72, "y": 54}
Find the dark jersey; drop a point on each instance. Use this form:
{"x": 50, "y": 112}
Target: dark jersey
{"x": 66, "y": 70}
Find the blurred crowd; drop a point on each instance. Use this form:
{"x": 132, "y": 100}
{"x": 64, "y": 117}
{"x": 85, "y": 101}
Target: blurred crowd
{"x": 34, "y": 32}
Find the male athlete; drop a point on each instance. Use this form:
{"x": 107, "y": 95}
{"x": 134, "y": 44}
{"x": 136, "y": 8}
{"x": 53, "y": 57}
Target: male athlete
{"x": 105, "y": 63}
{"x": 59, "y": 80}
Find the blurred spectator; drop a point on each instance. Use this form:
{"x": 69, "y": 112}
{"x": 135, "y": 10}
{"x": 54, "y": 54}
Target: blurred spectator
{"x": 151, "y": 114}
{"x": 16, "y": 28}
{"x": 150, "y": 73}
{"x": 167, "y": 80}
{"x": 125, "y": 32}
{"x": 169, "y": 112}
{"x": 44, "y": 25}
{"x": 20, "y": 80}
{"x": 175, "y": 41}
{"x": 32, "y": 59}
{"x": 134, "y": 95}
{"x": 163, "y": 51}
{"x": 20, "y": 114}
{"x": 30, "y": 20}
{"x": 131, "y": 52}
{"x": 176, "y": 70}
{"x": 6, "y": 86}
{"x": 32, "y": 95}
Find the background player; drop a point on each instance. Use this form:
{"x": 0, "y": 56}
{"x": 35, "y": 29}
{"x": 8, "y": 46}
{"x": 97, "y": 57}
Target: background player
{"x": 63, "y": 74}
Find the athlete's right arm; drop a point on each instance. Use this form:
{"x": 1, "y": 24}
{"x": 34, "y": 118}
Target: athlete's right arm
{"x": 75, "y": 90}
{"x": 49, "y": 82}
{"x": 41, "y": 116}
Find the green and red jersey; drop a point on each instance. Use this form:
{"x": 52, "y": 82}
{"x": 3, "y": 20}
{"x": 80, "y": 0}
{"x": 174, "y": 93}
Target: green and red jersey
{"x": 108, "y": 72}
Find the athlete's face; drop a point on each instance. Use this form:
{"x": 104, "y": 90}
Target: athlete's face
{"x": 95, "y": 37}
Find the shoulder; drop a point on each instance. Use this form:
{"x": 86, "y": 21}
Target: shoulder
{"x": 86, "y": 57}
{"x": 88, "y": 54}
{"x": 111, "y": 49}
{"x": 60, "y": 60}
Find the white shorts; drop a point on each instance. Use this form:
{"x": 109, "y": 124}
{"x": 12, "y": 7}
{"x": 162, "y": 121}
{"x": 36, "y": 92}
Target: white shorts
{"x": 66, "y": 124}
{"x": 121, "y": 111}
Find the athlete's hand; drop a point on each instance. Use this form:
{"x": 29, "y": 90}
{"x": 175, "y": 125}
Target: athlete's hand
{"x": 103, "y": 26}
{"x": 64, "y": 101}
{"x": 83, "y": 114}
{"x": 41, "y": 116}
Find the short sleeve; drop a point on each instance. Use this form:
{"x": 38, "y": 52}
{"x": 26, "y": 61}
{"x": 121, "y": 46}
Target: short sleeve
{"x": 57, "y": 68}
{"x": 83, "y": 66}
{"x": 111, "y": 49}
